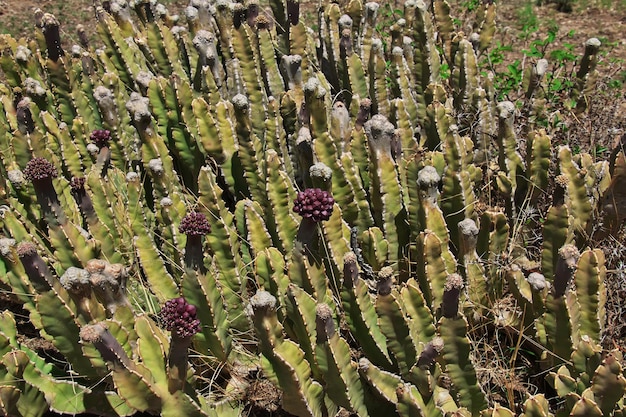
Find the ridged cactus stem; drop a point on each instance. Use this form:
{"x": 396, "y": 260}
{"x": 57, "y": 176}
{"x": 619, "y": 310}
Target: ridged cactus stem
{"x": 204, "y": 42}
{"x": 180, "y": 319}
{"x": 565, "y": 268}
{"x": 50, "y": 26}
{"x": 38, "y": 273}
{"x": 239, "y": 15}
{"x": 110, "y": 349}
{"x": 451, "y": 293}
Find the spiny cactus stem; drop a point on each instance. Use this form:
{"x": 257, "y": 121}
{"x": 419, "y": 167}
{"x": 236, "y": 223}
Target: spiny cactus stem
{"x": 177, "y": 362}
{"x": 108, "y": 346}
{"x": 35, "y": 267}
{"x": 451, "y": 294}
{"x": 565, "y": 268}
{"x": 53, "y": 38}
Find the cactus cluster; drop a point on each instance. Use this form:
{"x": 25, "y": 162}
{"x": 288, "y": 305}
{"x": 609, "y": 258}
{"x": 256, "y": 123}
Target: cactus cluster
{"x": 316, "y": 208}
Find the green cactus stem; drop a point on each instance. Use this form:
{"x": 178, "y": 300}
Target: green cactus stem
{"x": 451, "y": 293}
{"x": 38, "y": 273}
{"x": 179, "y": 317}
{"x": 194, "y": 225}
{"x": 50, "y": 26}
{"x": 565, "y": 268}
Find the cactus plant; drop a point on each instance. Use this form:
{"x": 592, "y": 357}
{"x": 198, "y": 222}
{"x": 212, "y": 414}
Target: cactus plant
{"x": 312, "y": 215}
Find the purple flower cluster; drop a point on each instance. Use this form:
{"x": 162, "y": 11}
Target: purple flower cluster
{"x": 101, "y": 137}
{"x": 195, "y": 224}
{"x": 314, "y": 204}
{"x": 180, "y": 317}
{"x": 77, "y": 183}
{"x": 39, "y": 169}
